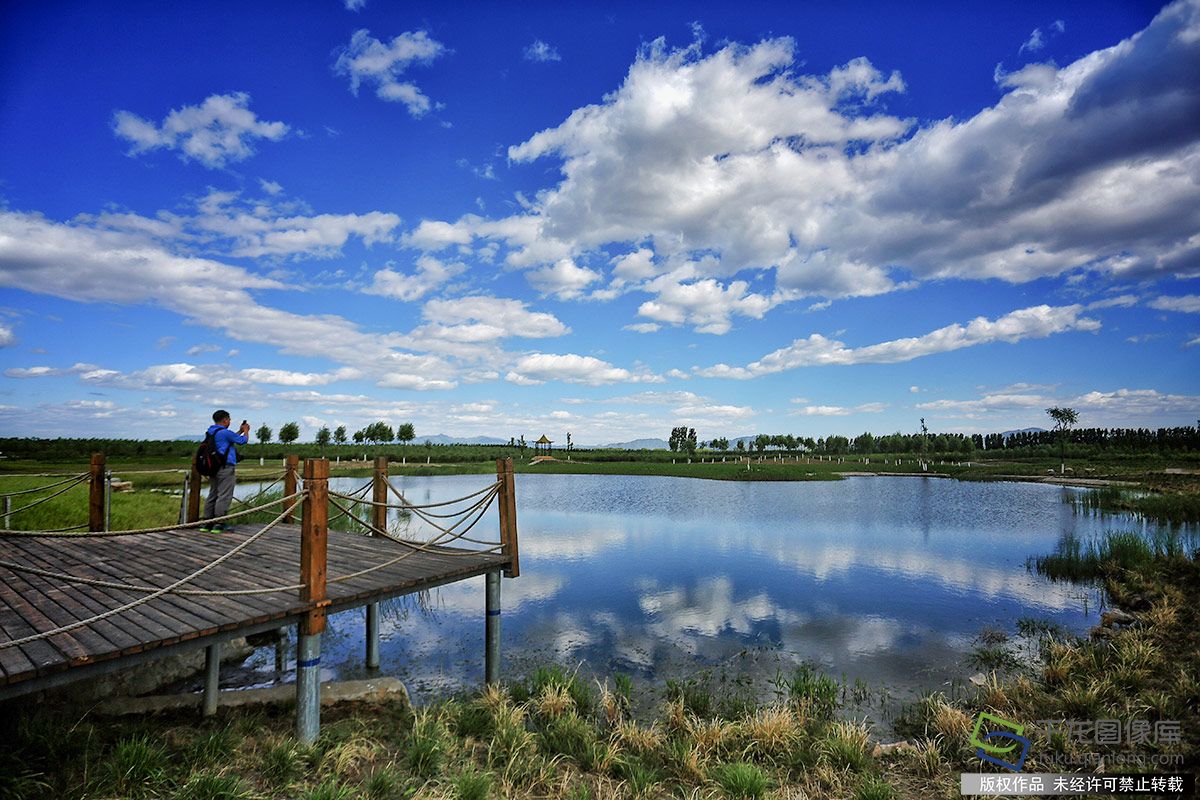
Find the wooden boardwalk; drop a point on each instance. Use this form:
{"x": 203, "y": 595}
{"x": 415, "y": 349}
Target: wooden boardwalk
{"x": 31, "y": 603}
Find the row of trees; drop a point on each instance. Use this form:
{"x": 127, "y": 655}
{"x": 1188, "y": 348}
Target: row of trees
{"x": 375, "y": 433}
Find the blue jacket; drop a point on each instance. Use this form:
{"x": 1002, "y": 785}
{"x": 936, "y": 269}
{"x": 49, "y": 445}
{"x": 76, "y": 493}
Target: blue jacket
{"x": 226, "y": 439}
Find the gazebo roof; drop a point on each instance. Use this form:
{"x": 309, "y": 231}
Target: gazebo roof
{"x": 544, "y": 440}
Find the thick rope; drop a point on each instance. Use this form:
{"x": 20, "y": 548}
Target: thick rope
{"x": 426, "y": 515}
{"x": 40, "y": 474}
{"x": 152, "y": 596}
{"x": 405, "y": 505}
{"x": 39, "y": 501}
{"x": 162, "y": 528}
{"x": 415, "y": 548}
{"x": 133, "y": 587}
{"x": 47, "y": 486}
{"x": 482, "y": 506}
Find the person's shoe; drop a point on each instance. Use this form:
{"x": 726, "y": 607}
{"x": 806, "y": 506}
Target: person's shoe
{"x": 205, "y": 528}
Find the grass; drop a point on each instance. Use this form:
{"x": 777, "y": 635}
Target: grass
{"x": 1098, "y": 558}
{"x": 741, "y": 780}
{"x": 1168, "y": 506}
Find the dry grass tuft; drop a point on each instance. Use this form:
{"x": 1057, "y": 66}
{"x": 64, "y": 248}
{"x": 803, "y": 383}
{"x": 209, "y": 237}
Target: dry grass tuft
{"x": 554, "y": 701}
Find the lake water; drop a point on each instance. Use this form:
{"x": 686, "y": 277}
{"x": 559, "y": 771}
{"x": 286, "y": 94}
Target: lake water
{"x": 886, "y": 580}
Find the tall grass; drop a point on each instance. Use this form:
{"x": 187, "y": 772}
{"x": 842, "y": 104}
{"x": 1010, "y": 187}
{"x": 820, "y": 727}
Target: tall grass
{"x": 1167, "y": 507}
{"x": 1120, "y": 551}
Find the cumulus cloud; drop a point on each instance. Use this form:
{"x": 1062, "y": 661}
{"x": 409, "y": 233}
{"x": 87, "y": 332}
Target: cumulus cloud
{"x": 355, "y": 5}
{"x": 542, "y": 52}
{"x": 431, "y": 273}
{"x": 563, "y": 279}
{"x": 219, "y": 130}
{"x": 369, "y": 60}
{"x": 1188, "y": 303}
{"x": 461, "y": 324}
{"x": 1036, "y": 322}
{"x": 537, "y": 368}
{"x": 7, "y": 337}
{"x": 738, "y": 160}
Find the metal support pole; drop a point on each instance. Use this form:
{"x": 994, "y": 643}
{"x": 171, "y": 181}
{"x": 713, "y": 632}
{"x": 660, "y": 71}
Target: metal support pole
{"x": 183, "y": 498}
{"x": 108, "y": 500}
{"x": 7, "y": 510}
{"x": 212, "y": 678}
{"x": 491, "y": 660}
{"x": 280, "y": 651}
{"x": 308, "y": 687}
{"x": 372, "y": 635}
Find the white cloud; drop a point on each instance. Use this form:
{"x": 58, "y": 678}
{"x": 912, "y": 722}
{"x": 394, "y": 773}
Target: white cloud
{"x": 706, "y": 304}
{"x": 197, "y": 349}
{"x": 282, "y": 377}
{"x": 840, "y": 411}
{"x": 431, "y": 274}
{"x": 914, "y": 389}
{"x": 270, "y": 187}
{"x": 1037, "y": 40}
{"x": 642, "y": 327}
{"x": 739, "y": 156}
{"x": 1036, "y": 322}
{"x": 7, "y": 337}
{"x": 86, "y": 264}
{"x": 481, "y": 318}
{"x": 563, "y": 279}
{"x": 355, "y": 5}
{"x": 219, "y": 130}
{"x": 542, "y": 52}
{"x": 367, "y": 59}
{"x": 1027, "y": 404}
{"x": 537, "y": 368}
{"x": 243, "y": 227}
{"x": 1188, "y": 303}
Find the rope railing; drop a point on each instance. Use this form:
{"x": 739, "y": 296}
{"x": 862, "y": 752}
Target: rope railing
{"x": 416, "y": 547}
{"x": 41, "y": 500}
{"x": 426, "y": 515}
{"x": 48, "y": 486}
{"x": 480, "y": 507}
{"x": 164, "y": 528}
{"x": 406, "y": 505}
{"x": 153, "y": 595}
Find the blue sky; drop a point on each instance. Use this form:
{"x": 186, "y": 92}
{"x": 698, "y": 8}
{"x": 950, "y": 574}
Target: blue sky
{"x": 608, "y": 219}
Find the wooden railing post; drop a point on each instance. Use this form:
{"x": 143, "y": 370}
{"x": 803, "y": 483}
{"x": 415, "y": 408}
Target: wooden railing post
{"x": 506, "y": 499}
{"x": 380, "y": 496}
{"x": 193, "y": 494}
{"x": 96, "y": 493}
{"x": 314, "y": 535}
{"x": 290, "y": 465}
{"x": 314, "y": 532}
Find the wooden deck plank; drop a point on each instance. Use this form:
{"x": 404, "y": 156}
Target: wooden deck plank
{"x": 160, "y": 558}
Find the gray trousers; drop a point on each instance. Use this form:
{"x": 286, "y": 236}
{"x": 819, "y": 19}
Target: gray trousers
{"x": 220, "y": 492}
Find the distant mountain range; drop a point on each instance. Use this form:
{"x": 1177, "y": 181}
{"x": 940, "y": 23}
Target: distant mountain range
{"x": 442, "y": 438}
{"x": 1007, "y": 434}
{"x": 636, "y": 444}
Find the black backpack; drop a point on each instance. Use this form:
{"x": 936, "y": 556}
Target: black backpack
{"x": 208, "y": 460}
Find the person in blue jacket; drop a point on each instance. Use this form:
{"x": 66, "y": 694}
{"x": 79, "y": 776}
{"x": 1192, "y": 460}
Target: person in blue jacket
{"x": 220, "y": 489}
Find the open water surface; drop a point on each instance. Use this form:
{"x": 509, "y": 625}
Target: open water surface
{"x": 884, "y": 580}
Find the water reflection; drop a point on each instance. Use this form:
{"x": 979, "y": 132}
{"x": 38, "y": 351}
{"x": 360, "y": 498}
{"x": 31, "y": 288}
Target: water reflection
{"x": 887, "y": 580}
